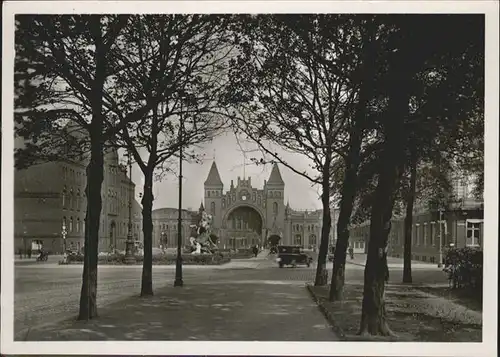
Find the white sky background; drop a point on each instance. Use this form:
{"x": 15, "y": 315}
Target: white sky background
{"x": 229, "y": 159}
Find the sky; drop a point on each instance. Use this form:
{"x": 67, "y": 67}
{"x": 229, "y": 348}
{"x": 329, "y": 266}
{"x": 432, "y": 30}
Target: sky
{"x": 230, "y": 162}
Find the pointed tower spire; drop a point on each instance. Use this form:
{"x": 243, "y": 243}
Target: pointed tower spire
{"x": 202, "y": 208}
{"x": 213, "y": 178}
{"x": 275, "y": 177}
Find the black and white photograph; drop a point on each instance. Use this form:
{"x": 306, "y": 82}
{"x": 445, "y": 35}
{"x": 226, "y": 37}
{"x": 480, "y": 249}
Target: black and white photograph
{"x": 250, "y": 178}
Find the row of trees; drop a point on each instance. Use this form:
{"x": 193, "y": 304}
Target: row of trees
{"x": 367, "y": 99}
{"x": 85, "y": 84}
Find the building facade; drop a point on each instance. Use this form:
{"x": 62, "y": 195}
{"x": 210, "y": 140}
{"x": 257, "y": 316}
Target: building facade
{"x": 244, "y": 215}
{"x": 460, "y": 224}
{"x": 51, "y": 195}
{"x": 165, "y": 226}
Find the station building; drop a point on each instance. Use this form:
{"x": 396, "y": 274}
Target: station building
{"x": 244, "y": 215}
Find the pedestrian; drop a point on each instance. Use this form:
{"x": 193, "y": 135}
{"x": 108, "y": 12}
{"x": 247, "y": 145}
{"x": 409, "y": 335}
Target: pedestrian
{"x": 29, "y": 253}
{"x": 255, "y": 251}
{"x": 351, "y": 252}
{"x": 20, "y": 253}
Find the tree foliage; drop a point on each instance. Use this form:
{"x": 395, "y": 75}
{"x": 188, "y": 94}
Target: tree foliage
{"x": 295, "y": 85}
{"x": 179, "y": 63}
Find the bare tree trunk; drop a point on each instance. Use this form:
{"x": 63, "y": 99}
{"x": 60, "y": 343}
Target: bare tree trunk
{"x": 410, "y": 200}
{"x": 349, "y": 186}
{"x": 321, "y": 271}
{"x": 373, "y": 319}
{"x": 147, "y": 228}
{"x": 95, "y": 176}
{"x": 339, "y": 258}
{"x": 352, "y": 165}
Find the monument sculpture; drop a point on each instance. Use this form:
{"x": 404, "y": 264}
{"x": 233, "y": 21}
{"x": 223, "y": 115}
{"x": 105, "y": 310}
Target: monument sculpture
{"x": 203, "y": 243}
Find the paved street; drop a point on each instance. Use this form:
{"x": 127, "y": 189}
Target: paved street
{"x": 46, "y": 293}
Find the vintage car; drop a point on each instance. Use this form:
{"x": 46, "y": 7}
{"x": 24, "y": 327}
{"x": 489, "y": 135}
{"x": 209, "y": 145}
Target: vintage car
{"x": 292, "y": 255}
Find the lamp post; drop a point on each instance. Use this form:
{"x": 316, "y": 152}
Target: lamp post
{"x": 178, "y": 264}
{"x": 129, "y": 254}
{"x": 64, "y": 233}
{"x": 440, "y": 262}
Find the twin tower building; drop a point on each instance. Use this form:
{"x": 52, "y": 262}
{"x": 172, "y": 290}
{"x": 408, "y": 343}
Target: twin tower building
{"x": 245, "y": 215}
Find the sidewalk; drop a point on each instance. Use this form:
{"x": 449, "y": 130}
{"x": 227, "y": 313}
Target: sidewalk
{"x": 217, "y": 310}
{"x": 392, "y": 262}
{"x": 249, "y": 263}
{"x": 263, "y": 254}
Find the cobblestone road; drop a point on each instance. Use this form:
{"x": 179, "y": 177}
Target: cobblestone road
{"x": 45, "y": 293}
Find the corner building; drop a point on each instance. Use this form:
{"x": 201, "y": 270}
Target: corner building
{"x": 245, "y": 215}
{"x": 50, "y": 195}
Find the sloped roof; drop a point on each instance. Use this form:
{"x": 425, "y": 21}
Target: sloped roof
{"x": 275, "y": 177}
{"x": 213, "y": 178}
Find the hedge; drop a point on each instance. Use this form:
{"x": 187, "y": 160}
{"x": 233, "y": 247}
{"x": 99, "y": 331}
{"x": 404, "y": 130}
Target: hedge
{"x": 464, "y": 267}
{"x": 169, "y": 259}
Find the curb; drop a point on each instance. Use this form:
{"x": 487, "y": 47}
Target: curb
{"x": 353, "y": 263}
{"x": 329, "y": 318}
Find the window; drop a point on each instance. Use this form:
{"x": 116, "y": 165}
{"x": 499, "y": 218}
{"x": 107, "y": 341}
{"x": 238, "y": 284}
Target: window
{"x": 208, "y": 193}
{"x": 417, "y": 235}
{"x": 298, "y": 239}
{"x": 78, "y": 224}
{"x": 64, "y": 197}
{"x": 473, "y": 231}
{"x": 212, "y": 208}
{"x": 223, "y": 203}
{"x": 275, "y": 208}
{"x": 425, "y": 234}
{"x": 78, "y": 200}
{"x": 271, "y": 194}
{"x": 70, "y": 201}
{"x": 71, "y": 224}
{"x": 432, "y": 235}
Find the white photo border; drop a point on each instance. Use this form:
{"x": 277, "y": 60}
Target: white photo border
{"x": 486, "y": 348}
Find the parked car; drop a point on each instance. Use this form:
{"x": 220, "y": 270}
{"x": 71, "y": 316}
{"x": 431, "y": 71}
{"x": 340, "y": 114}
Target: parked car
{"x": 292, "y": 255}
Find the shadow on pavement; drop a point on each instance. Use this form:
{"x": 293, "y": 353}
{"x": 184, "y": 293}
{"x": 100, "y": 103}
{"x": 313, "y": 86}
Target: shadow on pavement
{"x": 214, "y": 311}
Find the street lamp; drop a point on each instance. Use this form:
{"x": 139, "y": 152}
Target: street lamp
{"x": 440, "y": 262}
{"x": 64, "y": 234}
{"x": 178, "y": 264}
{"x": 129, "y": 255}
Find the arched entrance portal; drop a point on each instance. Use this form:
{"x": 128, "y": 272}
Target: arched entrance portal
{"x": 244, "y": 227}
{"x": 274, "y": 240}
